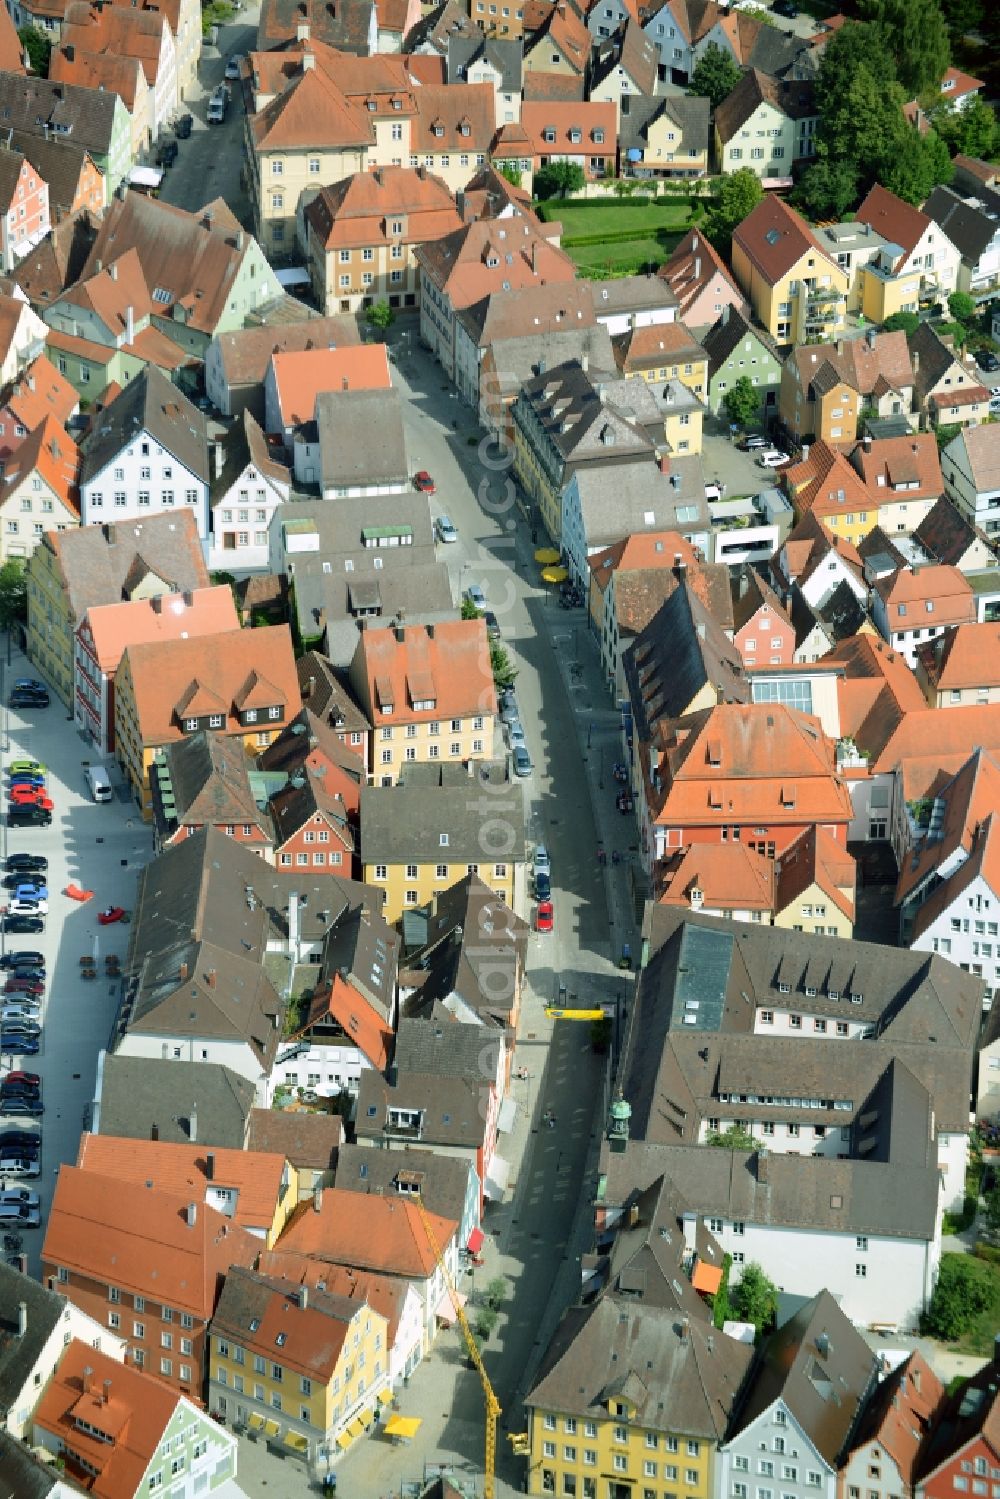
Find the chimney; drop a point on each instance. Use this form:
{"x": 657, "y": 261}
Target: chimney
{"x": 218, "y": 458}
{"x": 302, "y": 31}
{"x": 88, "y": 1380}
{"x": 840, "y": 346}
{"x": 193, "y": 1124}
{"x": 303, "y": 1297}
{"x": 345, "y": 384}
{"x": 867, "y": 442}
{"x": 400, "y": 634}
{"x": 184, "y": 973}
{"x": 663, "y": 462}
{"x": 154, "y": 1131}
{"x": 683, "y": 1329}
{"x": 762, "y": 1176}
{"x": 308, "y": 61}
{"x": 211, "y": 978}
{"x": 22, "y": 1318}
{"x": 210, "y": 1165}
{"x": 805, "y": 451}
{"x": 106, "y": 1396}
{"x": 584, "y": 363}
{"x": 915, "y": 360}
{"x": 697, "y": 267}
{"x": 192, "y": 1214}
{"x": 129, "y": 323}
{"x": 725, "y": 314}
{"x": 69, "y": 52}
{"x": 113, "y": 271}
{"x": 534, "y": 257}
{"x": 318, "y": 1200}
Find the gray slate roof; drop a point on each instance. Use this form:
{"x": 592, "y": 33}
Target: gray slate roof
{"x": 83, "y": 115}
{"x": 679, "y": 1377}
{"x": 967, "y": 224}
{"x": 152, "y": 403}
{"x": 725, "y": 336}
{"x": 184, "y": 1103}
{"x": 444, "y": 1183}
{"x": 104, "y": 564}
{"x": 689, "y": 112}
{"x": 406, "y": 822}
{"x": 616, "y": 497}
{"x": 18, "y": 1355}
{"x": 946, "y": 534}
{"x": 821, "y": 1368}
{"x": 505, "y": 56}
{"x": 361, "y": 437}
{"x": 467, "y": 949}
{"x": 25, "y": 1476}
{"x": 680, "y": 651}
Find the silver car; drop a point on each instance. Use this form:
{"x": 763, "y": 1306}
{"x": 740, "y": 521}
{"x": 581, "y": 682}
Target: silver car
{"x": 515, "y": 733}
{"x": 522, "y": 763}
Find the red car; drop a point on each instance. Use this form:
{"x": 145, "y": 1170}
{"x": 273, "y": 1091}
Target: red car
{"x": 30, "y": 796}
{"x": 23, "y": 986}
{"x": 29, "y": 1079}
{"x": 424, "y": 482}
{"x": 111, "y": 914}
{"x": 545, "y": 917}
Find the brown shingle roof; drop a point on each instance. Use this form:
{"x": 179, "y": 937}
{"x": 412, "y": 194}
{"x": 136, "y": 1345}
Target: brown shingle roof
{"x": 383, "y": 1234}
{"x": 775, "y": 238}
{"x": 356, "y": 211}
{"x": 455, "y": 117}
{"x": 795, "y": 100}
{"x": 691, "y": 267}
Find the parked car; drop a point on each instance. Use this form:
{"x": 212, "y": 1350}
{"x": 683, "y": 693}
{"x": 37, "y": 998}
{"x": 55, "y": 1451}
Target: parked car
{"x": 545, "y": 917}
{"x": 27, "y": 1141}
{"x": 19, "y": 983}
{"x": 34, "y": 767}
{"x": 31, "y": 889}
{"x": 184, "y": 127}
{"x": 25, "y": 778}
{"x": 28, "y": 817}
{"x": 989, "y": 361}
{"x": 15, "y": 1043}
{"x": 445, "y": 529}
{"x": 31, "y": 796}
{"x": 233, "y": 65}
{"x": 216, "y": 112}
{"x": 28, "y": 700}
{"x": 785, "y": 8}
{"x": 22, "y": 1090}
{"x": 515, "y": 735}
{"x": 21, "y": 1105}
{"x": 29, "y": 684}
{"x": 19, "y": 1166}
{"x": 543, "y": 884}
{"x": 20, "y": 1079}
{"x": 24, "y": 1014}
{"x": 424, "y": 482}
{"x": 166, "y": 153}
{"x": 772, "y": 458}
{"x": 20, "y": 907}
{"x": 541, "y": 860}
{"x": 522, "y": 762}
{"x": 24, "y": 971}
{"x": 23, "y": 1195}
{"x": 508, "y": 706}
{"x": 23, "y": 924}
{"x": 476, "y": 597}
{"x": 21, "y": 956}
{"x": 492, "y": 625}
{"x": 753, "y": 441}
{"x": 19, "y": 1215}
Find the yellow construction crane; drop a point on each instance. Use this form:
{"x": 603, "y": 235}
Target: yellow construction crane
{"x": 560, "y": 1012}
{"x": 491, "y": 1401}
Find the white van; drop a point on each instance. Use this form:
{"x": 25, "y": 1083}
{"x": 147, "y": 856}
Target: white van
{"x": 100, "y": 783}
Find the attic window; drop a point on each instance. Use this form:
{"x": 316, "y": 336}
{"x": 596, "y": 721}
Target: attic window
{"x": 439, "y": 131}
{"x": 397, "y": 103}
{"x": 281, "y": 1339}
{"x": 856, "y": 998}
{"x": 254, "y": 1324}
{"x": 576, "y": 136}
{"x": 161, "y": 294}
{"x": 836, "y": 1200}
{"x": 772, "y": 236}
{"x": 370, "y": 105}
{"x": 443, "y": 839}
{"x": 598, "y": 137}
{"x": 465, "y": 128}
{"x": 549, "y": 135}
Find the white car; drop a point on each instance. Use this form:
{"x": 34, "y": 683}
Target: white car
{"x": 515, "y": 733}
{"x": 476, "y": 596}
{"x": 772, "y": 458}
{"x": 445, "y": 529}
{"x": 233, "y": 65}
{"x": 541, "y": 860}
{"x": 17, "y": 1215}
{"x": 12, "y": 1015}
{"x": 28, "y": 908}
{"x": 22, "y": 1195}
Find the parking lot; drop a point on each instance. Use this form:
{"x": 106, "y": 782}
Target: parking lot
{"x": 97, "y": 846}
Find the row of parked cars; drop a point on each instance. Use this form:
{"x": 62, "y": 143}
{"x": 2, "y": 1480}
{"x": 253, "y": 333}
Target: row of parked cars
{"x": 29, "y": 805}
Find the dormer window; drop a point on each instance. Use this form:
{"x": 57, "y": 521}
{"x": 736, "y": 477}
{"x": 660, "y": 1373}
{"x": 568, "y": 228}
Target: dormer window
{"x": 370, "y": 105}
{"x": 190, "y": 725}
{"x": 549, "y": 135}
{"x": 465, "y": 128}
{"x": 576, "y": 136}
{"x": 425, "y": 705}
{"x": 598, "y": 137}
{"x": 439, "y": 131}
{"x": 397, "y": 103}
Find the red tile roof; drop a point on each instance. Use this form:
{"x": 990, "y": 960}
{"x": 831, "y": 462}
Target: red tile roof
{"x": 302, "y": 374}
{"x": 51, "y": 453}
{"x": 965, "y": 656}
{"x": 917, "y": 596}
{"x": 775, "y": 238}
{"x": 730, "y": 876}
{"x": 383, "y": 1234}
{"x": 113, "y": 627}
{"x": 446, "y": 664}
{"x": 356, "y": 1018}
{"x": 108, "y": 1418}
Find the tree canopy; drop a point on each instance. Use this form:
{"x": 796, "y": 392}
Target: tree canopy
{"x": 915, "y": 32}
{"x": 738, "y": 195}
{"x": 558, "y": 180}
{"x": 965, "y": 1289}
{"x": 755, "y": 1299}
{"x": 13, "y": 593}
{"x": 38, "y": 45}
{"x": 970, "y": 131}
{"x": 742, "y": 403}
{"x": 715, "y": 75}
{"x": 826, "y": 189}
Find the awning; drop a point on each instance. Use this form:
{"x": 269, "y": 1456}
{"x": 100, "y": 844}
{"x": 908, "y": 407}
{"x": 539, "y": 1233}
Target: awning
{"x": 707, "y": 1278}
{"x": 296, "y": 1440}
{"x": 271, "y": 1428}
{"x": 355, "y": 1429}
{"x": 508, "y": 1114}
{"x": 555, "y": 574}
{"x": 256, "y": 1423}
{"x": 367, "y": 1416}
{"x": 547, "y": 556}
{"x": 476, "y": 1240}
{"x": 496, "y": 1178}
{"x": 343, "y": 1440}
{"x": 445, "y": 1309}
{"x": 384, "y": 1396}
{"x": 403, "y": 1426}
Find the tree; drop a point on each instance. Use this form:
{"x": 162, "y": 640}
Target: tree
{"x": 558, "y": 180}
{"x": 742, "y": 402}
{"x": 380, "y": 316}
{"x": 496, "y": 1292}
{"x": 827, "y": 189}
{"x": 722, "y": 1307}
{"x": 859, "y": 103}
{"x": 962, "y": 16}
{"x": 13, "y": 594}
{"x": 469, "y": 610}
{"x": 504, "y": 672}
{"x": 902, "y": 322}
{"x": 917, "y": 34}
{"x": 38, "y": 45}
{"x": 737, "y": 196}
{"x": 732, "y": 1139}
{"x": 917, "y": 164}
{"x": 970, "y": 131}
{"x": 512, "y": 173}
{"x": 755, "y": 1299}
{"x": 716, "y": 74}
{"x": 965, "y": 1289}
{"x": 961, "y": 306}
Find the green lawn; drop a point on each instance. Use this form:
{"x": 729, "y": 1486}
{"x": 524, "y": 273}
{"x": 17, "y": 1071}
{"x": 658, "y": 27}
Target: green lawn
{"x": 620, "y": 238}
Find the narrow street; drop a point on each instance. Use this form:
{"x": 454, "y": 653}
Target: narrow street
{"x": 536, "y": 1237}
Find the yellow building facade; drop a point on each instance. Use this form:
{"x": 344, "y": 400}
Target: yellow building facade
{"x": 50, "y": 628}
{"x": 538, "y": 484}
{"x": 451, "y": 740}
{"x": 407, "y": 886}
{"x": 595, "y": 1454}
{"x": 808, "y": 301}
{"x": 297, "y": 1394}
{"x": 815, "y": 911}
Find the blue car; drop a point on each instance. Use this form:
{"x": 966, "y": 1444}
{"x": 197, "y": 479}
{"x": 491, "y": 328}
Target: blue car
{"x": 18, "y": 1043}
{"x": 31, "y": 892}
{"x": 27, "y": 778}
